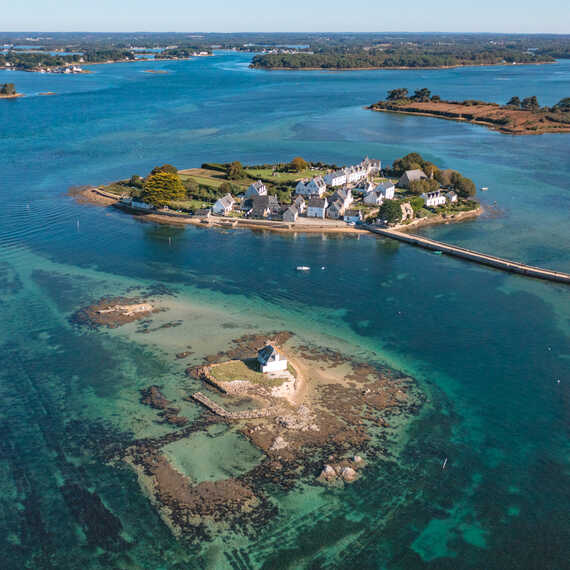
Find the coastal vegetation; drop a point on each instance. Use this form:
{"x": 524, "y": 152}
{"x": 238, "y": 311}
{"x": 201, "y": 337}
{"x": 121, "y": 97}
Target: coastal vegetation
{"x": 517, "y": 116}
{"x": 398, "y": 56}
{"x": 8, "y": 90}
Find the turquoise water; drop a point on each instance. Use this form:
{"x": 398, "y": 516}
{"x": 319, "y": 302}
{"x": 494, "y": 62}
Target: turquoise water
{"x": 489, "y": 348}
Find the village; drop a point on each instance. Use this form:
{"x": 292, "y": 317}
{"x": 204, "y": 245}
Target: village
{"x": 355, "y": 194}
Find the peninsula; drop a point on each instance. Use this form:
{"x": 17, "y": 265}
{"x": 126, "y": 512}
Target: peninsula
{"x": 517, "y": 117}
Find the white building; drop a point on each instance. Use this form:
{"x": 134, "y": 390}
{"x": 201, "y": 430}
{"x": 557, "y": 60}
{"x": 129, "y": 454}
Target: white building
{"x": 224, "y": 205}
{"x": 452, "y": 196}
{"x": 434, "y": 199}
{"x": 256, "y": 189}
{"x": 270, "y": 360}
{"x": 387, "y": 190}
{"x": 316, "y": 187}
{"x": 374, "y": 198}
{"x": 317, "y": 208}
{"x": 336, "y": 178}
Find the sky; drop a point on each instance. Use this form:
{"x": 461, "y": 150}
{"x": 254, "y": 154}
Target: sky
{"x": 510, "y": 16}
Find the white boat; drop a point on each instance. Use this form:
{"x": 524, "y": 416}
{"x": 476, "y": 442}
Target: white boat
{"x": 484, "y": 188}
{"x": 303, "y": 268}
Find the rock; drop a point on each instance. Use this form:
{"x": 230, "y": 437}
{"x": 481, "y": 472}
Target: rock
{"x": 348, "y": 474}
{"x": 357, "y": 459}
{"x": 279, "y": 443}
{"x": 183, "y": 354}
{"x": 328, "y": 473}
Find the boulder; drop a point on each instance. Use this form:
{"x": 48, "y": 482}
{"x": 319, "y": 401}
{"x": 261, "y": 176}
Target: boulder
{"x": 348, "y": 474}
{"x": 328, "y": 473}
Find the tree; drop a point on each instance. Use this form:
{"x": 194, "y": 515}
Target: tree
{"x": 8, "y": 89}
{"x": 423, "y": 185}
{"x": 390, "y": 211}
{"x": 397, "y": 94}
{"x": 465, "y": 187}
{"x": 421, "y": 95}
{"x": 298, "y": 164}
{"x": 562, "y": 105}
{"x": 514, "y": 102}
{"x": 136, "y": 181}
{"x": 235, "y": 171}
{"x": 411, "y": 161}
{"x": 225, "y": 188}
{"x": 162, "y": 187}
{"x": 530, "y": 103}
{"x": 430, "y": 169}
{"x": 165, "y": 168}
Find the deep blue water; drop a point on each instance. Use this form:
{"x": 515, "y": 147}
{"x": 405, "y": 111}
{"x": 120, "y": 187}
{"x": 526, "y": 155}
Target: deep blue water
{"x": 493, "y": 348}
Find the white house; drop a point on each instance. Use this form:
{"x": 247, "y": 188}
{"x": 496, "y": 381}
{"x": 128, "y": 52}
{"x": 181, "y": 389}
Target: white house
{"x": 316, "y": 187}
{"x": 451, "y": 196}
{"x": 336, "y": 178}
{"x": 270, "y": 360}
{"x": 372, "y": 165}
{"x": 256, "y": 189}
{"x": 354, "y": 216}
{"x": 374, "y": 198}
{"x": 224, "y": 205}
{"x": 434, "y": 199}
{"x": 317, "y": 207}
{"x": 387, "y": 190}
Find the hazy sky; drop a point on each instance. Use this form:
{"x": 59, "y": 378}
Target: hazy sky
{"x": 286, "y": 15}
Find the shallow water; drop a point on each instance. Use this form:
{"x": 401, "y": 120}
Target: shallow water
{"x": 489, "y": 348}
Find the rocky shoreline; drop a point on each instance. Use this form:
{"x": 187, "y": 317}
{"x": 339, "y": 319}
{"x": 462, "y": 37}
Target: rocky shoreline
{"x": 344, "y": 420}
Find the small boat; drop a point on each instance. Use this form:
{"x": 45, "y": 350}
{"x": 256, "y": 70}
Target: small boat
{"x": 303, "y": 268}
{"x": 444, "y": 464}
{"x": 437, "y": 252}
{"x": 484, "y": 188}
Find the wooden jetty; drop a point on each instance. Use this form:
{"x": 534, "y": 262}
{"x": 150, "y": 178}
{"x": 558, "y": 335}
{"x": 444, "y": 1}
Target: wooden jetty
{"x": 243, "y": 415}
{"x": 474, "y": 256}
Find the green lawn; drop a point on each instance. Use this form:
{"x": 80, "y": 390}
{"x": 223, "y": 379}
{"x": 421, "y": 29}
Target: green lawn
{"x": 283, "y": 177}
{"x": 243, "y": 370}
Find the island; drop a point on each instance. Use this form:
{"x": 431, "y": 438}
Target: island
{"x": 8, "y": 91}
{"x": 397, "y": 55}
{"x": 298, "y": 196}
{"x": 518, "y": 117}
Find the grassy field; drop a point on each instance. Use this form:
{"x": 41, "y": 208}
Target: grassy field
{"x": 283, "y": 177}
{"x": 243, "y": 370}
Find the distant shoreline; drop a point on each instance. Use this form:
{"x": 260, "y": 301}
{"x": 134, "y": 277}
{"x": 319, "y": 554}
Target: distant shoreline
{"x": 401, "y": 68}
{"x": 497, "y": 118}
{"x": 14, "y": 96}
